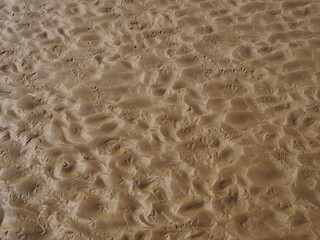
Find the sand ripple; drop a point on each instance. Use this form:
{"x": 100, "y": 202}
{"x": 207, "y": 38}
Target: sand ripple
{"x": 159, "y": 119}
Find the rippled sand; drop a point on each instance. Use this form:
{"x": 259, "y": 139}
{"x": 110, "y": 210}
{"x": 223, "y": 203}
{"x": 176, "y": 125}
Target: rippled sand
{"x": 160, "y": 119}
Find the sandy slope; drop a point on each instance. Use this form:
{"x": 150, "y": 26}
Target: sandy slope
{"x": 159, "y": 119}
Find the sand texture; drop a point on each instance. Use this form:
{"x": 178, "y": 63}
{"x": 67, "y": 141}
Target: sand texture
{"x": 159, "y": 119}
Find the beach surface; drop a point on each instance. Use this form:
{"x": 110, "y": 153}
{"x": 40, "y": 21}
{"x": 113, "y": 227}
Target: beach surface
{"x": 159, "y": 119}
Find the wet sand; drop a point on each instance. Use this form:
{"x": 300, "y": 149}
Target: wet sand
{"x": 160, "y": 119}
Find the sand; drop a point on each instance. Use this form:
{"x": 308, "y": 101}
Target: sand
{"x": 160, "y": 119}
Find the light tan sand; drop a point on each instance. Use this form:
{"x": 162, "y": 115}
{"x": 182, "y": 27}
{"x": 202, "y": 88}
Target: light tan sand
{"x": 160, "y": 119}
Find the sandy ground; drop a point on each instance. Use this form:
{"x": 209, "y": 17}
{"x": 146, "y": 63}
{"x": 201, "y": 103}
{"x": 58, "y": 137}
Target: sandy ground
{"x": 160, "y": 119}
